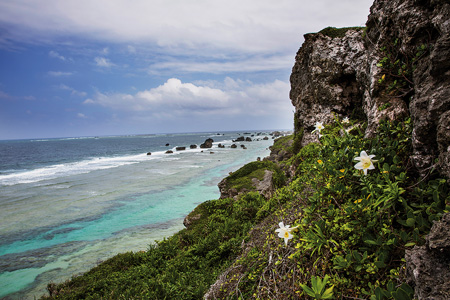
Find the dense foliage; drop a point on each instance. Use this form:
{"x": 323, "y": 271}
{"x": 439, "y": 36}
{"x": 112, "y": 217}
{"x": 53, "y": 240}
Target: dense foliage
{"x": 352, "y": 231}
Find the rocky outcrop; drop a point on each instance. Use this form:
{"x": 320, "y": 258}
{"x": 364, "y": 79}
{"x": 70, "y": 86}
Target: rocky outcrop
{"x": 327, "y": 78}
{"x": 421, "y": 30}
{"x": 207, "y": 144}
{"x": 265, "y": 187}
{"x": 428, "y": 266}
{"x": 191, "y": 218}
{"x": 225, "y": 191}
{"x": 397, "y": 66}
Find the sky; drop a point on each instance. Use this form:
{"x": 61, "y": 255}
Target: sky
{"x": 117, "y": 67}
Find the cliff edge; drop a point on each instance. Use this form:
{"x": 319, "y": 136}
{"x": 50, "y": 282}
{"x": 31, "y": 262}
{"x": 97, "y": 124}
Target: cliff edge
{"x": 395, "y": 67}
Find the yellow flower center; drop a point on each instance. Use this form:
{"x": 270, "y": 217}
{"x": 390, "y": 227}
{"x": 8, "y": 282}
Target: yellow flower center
{"x": 366, "y": 163}
{"x": 286, "y": 234}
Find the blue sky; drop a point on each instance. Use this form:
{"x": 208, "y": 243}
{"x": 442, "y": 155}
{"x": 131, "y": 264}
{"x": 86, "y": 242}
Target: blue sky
{"x": 113, "y": 67}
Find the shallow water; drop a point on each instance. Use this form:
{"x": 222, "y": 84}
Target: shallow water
{"x": 67, "y": 204}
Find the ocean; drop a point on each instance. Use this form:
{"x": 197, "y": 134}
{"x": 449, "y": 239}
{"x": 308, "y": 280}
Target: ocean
{"x": 67, "y": 204}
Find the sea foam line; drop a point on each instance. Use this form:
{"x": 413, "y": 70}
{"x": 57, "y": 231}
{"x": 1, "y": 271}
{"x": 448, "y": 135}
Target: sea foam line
{"x": 74, "y": 168}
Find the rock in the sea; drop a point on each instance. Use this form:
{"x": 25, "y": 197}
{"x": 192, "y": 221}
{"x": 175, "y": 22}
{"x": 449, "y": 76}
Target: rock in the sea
{"x": 248, "y": 139}
{"x": 233, "y": 146}
{"x": 149, "y": 153}
{"x": 428, "y": 266}
{"x": 207, "y": 144}
{"x": 239, "y": 139}
{"x": 167, "y": 145}
{"x": 169, "y": 151}
{"x": 193, "y": 146}
{"x": 180, "y": 148}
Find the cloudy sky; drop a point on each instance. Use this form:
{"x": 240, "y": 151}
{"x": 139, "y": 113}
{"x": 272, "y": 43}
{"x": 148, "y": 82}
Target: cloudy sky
{"x": 111, "y": 67}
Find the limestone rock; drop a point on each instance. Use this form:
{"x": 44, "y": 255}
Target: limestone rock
{"x": 341, "y": 75}
{"x": 428, "y": 266}
{"x": 191, "y": 218}
{"x": 265, "y": 186}
{"x": 415, "y": 24}
{"x": 226, "y": 192}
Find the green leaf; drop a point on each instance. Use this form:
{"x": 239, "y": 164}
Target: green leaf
{"x": 370, "y": 242}
{"x": 308, "y": 290}
{"x": 328, "y": 294}
{"x": 410, "y": 244}
{"x": 410, "y": 222}
{"x": 400, "y": 295}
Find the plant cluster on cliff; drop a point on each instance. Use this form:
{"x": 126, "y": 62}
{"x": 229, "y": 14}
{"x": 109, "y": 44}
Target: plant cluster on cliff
{"x": 353, "y": 218}
{"x": 347, "y": 237}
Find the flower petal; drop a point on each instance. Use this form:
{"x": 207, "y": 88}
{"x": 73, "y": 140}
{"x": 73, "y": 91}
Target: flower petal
{"x": 363, "y": 154}
{"x": 359, "y": 165}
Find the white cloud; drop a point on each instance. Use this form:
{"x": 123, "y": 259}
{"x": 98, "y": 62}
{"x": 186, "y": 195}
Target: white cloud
{"x": 81, "y": 116}
{"x": 244, "y": 64}
{"x": 103, "y": 62}
{"x": 55, "y": 54}
{"x": 262, "y": 26}
{"x": 228, "y": 98}
{"x": 59, "y": 73}
{"x": 73, "y": 91}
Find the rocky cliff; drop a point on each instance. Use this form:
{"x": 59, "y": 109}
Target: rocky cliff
{"x": 398, "y": 65}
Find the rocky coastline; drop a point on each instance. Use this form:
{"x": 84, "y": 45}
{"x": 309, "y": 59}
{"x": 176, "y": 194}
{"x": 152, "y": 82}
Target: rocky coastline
{"x": 381, "y": 233}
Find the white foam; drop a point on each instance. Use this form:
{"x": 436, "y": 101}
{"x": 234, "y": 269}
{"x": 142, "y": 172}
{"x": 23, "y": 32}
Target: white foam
{"x": 75, "y": 168}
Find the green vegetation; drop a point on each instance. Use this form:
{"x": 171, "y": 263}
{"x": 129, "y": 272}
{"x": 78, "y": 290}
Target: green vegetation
{"x": 353, "y": 230}
{"x": 397, "y": 69}
{"x": 242, "y": 179}
{"x": 334, "y": 32}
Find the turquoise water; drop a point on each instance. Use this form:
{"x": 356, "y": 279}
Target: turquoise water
{"x": 61, "y": 215}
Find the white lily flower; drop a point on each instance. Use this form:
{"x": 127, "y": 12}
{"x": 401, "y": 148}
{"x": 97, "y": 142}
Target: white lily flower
{"x": 284, "y": 232}
{"x": 365, "y": 162}
{"x": 346, "y": 120}
{"x": 319, "y": 127}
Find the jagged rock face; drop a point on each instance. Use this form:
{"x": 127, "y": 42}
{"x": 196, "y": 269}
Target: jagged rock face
{"x": 428, "y": 266}
{"x": 326, "y": 79}
{"x": 341, "y": 75}
{"x": 413, "y": 23}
